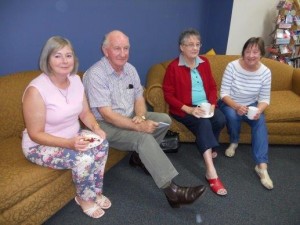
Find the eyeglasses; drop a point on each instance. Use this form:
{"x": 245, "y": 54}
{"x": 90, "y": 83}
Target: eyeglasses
{"x": 191, "y": 45}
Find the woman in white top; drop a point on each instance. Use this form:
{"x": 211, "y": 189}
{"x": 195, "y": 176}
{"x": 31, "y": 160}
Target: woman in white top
{"x": 247, "y": 82}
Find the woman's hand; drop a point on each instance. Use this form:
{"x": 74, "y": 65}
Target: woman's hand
{"x": 97, "y": 130}
{"x": 198, "y": 112}
{"x": 257, "y": 115}
{"x": 242, "y": 110}
{"x": 101, "y": 133}
{"x": 79, "y": 144}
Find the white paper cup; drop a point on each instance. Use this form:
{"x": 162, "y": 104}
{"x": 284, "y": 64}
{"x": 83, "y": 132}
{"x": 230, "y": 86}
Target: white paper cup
{"x": 252, "y": 111}
{"x": 206, "y": 107}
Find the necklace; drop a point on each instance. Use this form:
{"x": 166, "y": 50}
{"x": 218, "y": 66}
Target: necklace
{"x": 66, "y": 92}
{"x": 61, "y": 91}
{"x": 66, "y": 95}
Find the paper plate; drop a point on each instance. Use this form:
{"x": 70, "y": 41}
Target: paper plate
{"x": 209, "y": 115}
{"x": 94, "y": 140}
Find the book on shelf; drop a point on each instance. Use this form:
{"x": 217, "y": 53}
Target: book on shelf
{"x": 295, "y": 51}
{"x": 283, "y": 33}
{"x": 296, "y": 63}
{"x": 285, "y": 4}
{"x": 284, "y": 49}
{"x": 282, "y": 41}
{"x": 284, "y": 25}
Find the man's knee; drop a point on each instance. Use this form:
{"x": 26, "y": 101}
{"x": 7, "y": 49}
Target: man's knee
{"x": 166, "y": 118}
{"x": 160, "y": 117}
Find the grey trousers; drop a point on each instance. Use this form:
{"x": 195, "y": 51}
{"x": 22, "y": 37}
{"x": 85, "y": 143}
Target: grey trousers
{"x": 146, "y": 145}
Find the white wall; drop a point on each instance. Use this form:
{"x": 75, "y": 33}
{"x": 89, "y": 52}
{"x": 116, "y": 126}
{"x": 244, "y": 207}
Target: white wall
{"x": 254, "y": 18}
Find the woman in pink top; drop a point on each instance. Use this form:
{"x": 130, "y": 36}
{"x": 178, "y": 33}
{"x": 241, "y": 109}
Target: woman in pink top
{"x": 53, "y": 103}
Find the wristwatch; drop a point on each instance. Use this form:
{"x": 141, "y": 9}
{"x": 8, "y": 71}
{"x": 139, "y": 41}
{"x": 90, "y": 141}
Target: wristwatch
{"x": 143, "y": 117}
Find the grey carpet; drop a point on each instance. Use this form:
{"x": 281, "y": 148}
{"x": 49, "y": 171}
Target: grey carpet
{"x": 137, "y": 201}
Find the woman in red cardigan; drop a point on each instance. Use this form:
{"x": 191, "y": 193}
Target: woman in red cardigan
{"x": 187, "y": 84}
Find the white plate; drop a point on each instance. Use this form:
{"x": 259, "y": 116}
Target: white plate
{"x": 94, "y": 140}
{"x": 209, "y": 115}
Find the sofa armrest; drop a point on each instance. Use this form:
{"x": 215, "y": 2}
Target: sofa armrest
{"x": 296, "y": 81}
{"x": 155, "y": 98}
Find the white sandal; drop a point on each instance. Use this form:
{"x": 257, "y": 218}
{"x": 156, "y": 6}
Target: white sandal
{"x": 90, "y": 211}
{"x": 264, "y": 178}
{"x": 103, "y": 202}
{"x": 230, "y": 151}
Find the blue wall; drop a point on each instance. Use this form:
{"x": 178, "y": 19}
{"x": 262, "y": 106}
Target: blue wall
{"x": 152, "y": 25}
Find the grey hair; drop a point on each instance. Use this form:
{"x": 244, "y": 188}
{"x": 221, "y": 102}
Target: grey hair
{"x": 186, "y": 34}
{"x": 106, "y": 40}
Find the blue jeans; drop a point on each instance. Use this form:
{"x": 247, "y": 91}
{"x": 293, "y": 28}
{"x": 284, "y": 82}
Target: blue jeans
{"x": 259, "y": 132}
{"x": 206, "y": 131}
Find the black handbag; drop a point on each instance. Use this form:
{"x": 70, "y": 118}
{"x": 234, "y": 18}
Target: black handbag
{"x": 170, "y": 143}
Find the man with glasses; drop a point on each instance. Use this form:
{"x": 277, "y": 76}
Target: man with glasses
{"x": 115, "y": 95}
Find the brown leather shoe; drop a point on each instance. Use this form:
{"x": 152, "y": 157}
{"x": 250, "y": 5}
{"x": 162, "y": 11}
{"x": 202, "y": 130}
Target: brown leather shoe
{"x": 135, "y": 161}
{"x": 178, "y": 196}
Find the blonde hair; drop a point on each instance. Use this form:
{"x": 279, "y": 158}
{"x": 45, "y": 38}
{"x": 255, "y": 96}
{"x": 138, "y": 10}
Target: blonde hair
{"x": 52, "y": 45}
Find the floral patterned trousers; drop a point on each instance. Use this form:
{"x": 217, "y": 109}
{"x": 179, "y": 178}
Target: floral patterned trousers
{"x": 87, "y": 166}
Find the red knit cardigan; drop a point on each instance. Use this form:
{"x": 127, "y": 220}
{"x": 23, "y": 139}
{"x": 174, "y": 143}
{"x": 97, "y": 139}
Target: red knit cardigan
{"x": 177, "y": 85}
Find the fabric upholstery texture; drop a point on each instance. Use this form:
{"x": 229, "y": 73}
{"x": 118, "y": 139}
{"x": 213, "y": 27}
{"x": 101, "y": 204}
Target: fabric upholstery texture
{"x": 30, "y": 194}
{"x": 282, "y": 116}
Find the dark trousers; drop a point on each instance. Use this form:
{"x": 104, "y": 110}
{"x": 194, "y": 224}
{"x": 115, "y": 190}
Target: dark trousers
{"x": 206, "y": 130}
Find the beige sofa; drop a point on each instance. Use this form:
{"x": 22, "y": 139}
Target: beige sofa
{"x": 282, "y": 116}
{"x": 29, "y": 194}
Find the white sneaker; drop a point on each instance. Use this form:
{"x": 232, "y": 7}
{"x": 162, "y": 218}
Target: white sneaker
{"x": 230, "y": 151}
{"x": 264, "y": 178}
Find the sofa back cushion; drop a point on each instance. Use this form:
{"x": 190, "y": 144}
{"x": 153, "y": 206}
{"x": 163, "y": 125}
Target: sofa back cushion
{"x": 218, "y": 64}
{"x": 281, "y": 73}
{"x": 11, "y": 90}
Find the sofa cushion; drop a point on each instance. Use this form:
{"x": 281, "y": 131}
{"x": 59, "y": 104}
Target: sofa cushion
{"x": 211, "y": 52}
{"x": 11, "y": 90}
{"x": 284, "y": 107}
{"x": 281, "y": 73}
{"x": 19, "y": 177}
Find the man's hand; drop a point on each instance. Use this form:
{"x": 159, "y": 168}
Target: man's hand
{"x": 147, "y": 126}
{"x": 138, "y": 119}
